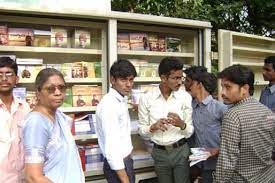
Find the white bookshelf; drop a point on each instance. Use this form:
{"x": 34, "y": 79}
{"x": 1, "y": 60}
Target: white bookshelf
{"x": 156, "y": 53}
{"x": 245, "y": 49}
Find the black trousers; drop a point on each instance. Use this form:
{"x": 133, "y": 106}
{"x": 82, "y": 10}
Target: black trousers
{"x": 111, "y": 175}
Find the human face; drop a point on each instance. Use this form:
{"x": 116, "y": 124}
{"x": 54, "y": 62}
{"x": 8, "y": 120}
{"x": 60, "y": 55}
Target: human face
{"x": 188, "y": 83}
{"x": 8, "y": 80}
{"x": 123, "y": 85}
{"x": 52, "y": 93}
{"x": 194, "y": 88}
{"x": 174, "y": 80}
{"x": 269, "y": 73}
{"x": 233, "y": 93}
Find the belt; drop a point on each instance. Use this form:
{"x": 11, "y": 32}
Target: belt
{"x": 177, "y": 144}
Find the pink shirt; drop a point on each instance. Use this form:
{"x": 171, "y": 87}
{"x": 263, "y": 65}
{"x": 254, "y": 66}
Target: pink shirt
{"x": 11, "y": 145}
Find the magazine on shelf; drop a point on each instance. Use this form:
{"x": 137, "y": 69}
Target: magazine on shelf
{"x": 173, "y": 44}
{"x": 153, "y": 42}
{"x": 82, "y": 38}
{"x": 31, "y": 99}
{"x": 123, "y": 42}
{"x": 138, "y": 41}
{"x": 68, "y": 101}
{"x": 3, "y": 35}
{"x": 28, "y": 68}
{"x": 198, "y": 155}
{"x": 84, "y": 125}
{"x": 42, "y": 38}
{"x": 59, "y": 37}
{"x": 86, "y": 95}
{"x": 20, "y": 37}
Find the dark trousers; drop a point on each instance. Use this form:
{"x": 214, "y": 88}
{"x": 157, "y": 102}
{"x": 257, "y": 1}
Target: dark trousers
{"x": 172, "y": 166}
{"x": 111, "y": 175}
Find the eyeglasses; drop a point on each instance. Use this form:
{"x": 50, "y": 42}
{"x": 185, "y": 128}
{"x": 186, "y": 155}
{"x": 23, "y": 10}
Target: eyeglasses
{"x": 51, "y": 89}
{"x": 178, "y": 78}
{"x": 7, "y": 75}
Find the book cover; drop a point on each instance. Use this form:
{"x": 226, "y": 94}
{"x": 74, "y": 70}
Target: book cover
{"x": 97, "y": 66}
{"x": 58, "y": 37}
{"x": 86, "y": 95}
{"x": 20, "y": 93}
{"x": 88, "y": 69}
{"x": 173, "y": 44}
{"x": 68, "y": 101}
{"x": 42, "y": 38}
{"x": 28, "y": 72}
{"x": 31, "y": 99}
{"x": 66, "y": 70}
{"x": 82, "y": 39}
{"x": 77, "y": 70}
{"x": 162, "y": 44}
{"x": 123, "y": 42}
{"x": 3, "y": 35}
{"x": 138, "y": 41}
{"x": 153, "y": 42}
{"x": 20, "y": 37}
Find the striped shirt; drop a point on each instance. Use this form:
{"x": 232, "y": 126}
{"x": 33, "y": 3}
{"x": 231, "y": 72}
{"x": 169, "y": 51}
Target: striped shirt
{"x": 248, "y": 136}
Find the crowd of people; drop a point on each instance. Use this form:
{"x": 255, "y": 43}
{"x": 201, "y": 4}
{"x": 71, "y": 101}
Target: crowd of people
{"x": 37, "y": 146}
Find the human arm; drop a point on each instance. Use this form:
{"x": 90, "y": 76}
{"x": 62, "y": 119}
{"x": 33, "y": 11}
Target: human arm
{"x": 122, "y": 175}
{"x": 229, "y": 149}
{"x": 34, "y": 149}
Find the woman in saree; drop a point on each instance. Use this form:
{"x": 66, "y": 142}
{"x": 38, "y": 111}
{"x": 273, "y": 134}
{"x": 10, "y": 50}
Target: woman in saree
{"x": 50, "y": 151}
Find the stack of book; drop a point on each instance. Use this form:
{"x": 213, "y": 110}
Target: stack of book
{"x": 83, "y": 125}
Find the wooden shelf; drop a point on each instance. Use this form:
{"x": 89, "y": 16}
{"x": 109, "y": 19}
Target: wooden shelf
{"x": 73, "y": 80}
{"x": 251, "y": 64}
{"x": 155, "y": 53}
{"x": 78, "y": 109}
{"x": 50, "y": 50}
{"x": 147, "y": 79}
{"x": 254, "y": 50}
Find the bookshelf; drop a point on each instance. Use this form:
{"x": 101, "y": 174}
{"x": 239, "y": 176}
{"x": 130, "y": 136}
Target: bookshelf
{"x": 105, "y": 26}
{"x": 245, "y": 49}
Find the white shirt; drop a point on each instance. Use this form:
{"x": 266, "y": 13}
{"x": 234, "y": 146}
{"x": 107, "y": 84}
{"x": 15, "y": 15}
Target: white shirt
{"x": 154, "y": 106}
{"x": 114, "y": 129}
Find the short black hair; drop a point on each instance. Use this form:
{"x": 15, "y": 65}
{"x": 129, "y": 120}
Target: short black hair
{"x": 239, "y": 75}
{"x": 200, "y": 74}
{"x": 270, "y": 60}
{"x": 123, "y": 68}
{"x": 44, "y": 75}
{"x": 8, "y": 62}
{"x": 169, "y": 64}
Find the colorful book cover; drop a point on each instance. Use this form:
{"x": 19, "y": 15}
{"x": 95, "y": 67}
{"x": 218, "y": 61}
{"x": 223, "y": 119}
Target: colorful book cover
{"x": 153, "y": 42}
{"x": 31, "y": 99}
{"x": 28, "y": 72}
{"x": 77, "y": 70}
{"x": 82, "y": 38}
{"x": 97, "y": 66}
{"x": 88, "y": 69}
{"x": 86, "y": 95}
{"x": 59, "y": 37}
{"x": 20, "y": 93}
{"x": 162, "y": 44}
{"x": 3, "y": 35}
{"x": 138, "y": 41}
{"x": 123, "y": 42}
{"x": 20, "y": 37}
{"x": 42, "y": 38}
{"x": 68, "y": 101}
{"x": 173, "y": 44}
{"x": 66, "y": 70}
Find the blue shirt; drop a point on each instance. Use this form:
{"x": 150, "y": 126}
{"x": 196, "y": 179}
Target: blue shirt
{"x": 207, "y": 117}
{"x": 268, "y": 97}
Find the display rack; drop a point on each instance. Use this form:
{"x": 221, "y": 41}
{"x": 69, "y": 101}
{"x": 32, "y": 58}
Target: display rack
{"x": 245, "y": 49}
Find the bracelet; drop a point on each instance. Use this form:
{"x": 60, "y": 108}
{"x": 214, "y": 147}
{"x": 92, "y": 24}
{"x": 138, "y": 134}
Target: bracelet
{"x": 183, "y": 127}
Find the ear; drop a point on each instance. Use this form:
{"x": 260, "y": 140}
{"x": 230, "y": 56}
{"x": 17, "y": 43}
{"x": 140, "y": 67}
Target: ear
{"x": 113, "y": 79}
{"x": 245, "y": 89}
{"x": 163, "y": 78}
{"x": 16, "y": 80}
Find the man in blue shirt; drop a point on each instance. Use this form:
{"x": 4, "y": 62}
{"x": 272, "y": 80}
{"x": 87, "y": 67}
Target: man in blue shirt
{"x": 268, "y": 93}
{"x": 207, "y": 116}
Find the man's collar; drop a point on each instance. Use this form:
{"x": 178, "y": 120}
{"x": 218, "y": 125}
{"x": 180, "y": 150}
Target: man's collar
{"x": 205, "y": 101}
{"x": 272, "y": 88}
{"x": 118, "y": 95}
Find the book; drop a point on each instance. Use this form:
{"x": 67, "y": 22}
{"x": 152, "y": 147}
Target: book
{"x": 123, "y": 42}
{"x": 97, "y": 67}
{"x": 198, "y": 155}
{"x": 31, "y": 99}
{"x": 82, "y": 38}
{"x": 59, "y": 37}
{"x": 3, "y": 35}
{"x": 42, "y": 38}
{"x": 86, "y": 95}
{"x": 138, "y": 41}
{"x": 20, "y": 93}
{"x": 153, "y": 42}
{"x": 66, "y": 70}
{"x": 68, "y": 101}
{"x": 77, "y": 70}
{"x": 28, "y": 68}
{"x": 162, "y": 44}
{"x": 173, "y": 44}
{"x": 20, "y": 37}
{"x": 88, "y": 69}
{"x": 84, "y": 125}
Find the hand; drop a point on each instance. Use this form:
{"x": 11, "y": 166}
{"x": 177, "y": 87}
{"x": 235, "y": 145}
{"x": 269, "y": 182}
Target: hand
{"x": 159, "y": 125}
{"x": 174, "y": 119}
{"x": 135, "y": 106}
{"x": 213, "y": 151}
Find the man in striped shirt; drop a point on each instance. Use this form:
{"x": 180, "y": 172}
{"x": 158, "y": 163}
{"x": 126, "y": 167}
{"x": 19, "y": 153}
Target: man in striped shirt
{"x": 248, "y": 132}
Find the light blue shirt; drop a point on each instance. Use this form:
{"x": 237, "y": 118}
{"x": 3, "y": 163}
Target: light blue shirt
{"x": 207, "y": 120}
{"x": 53, "y": 145}
{"x": 113, "y": 127}
{"x": 268, "y": 97}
